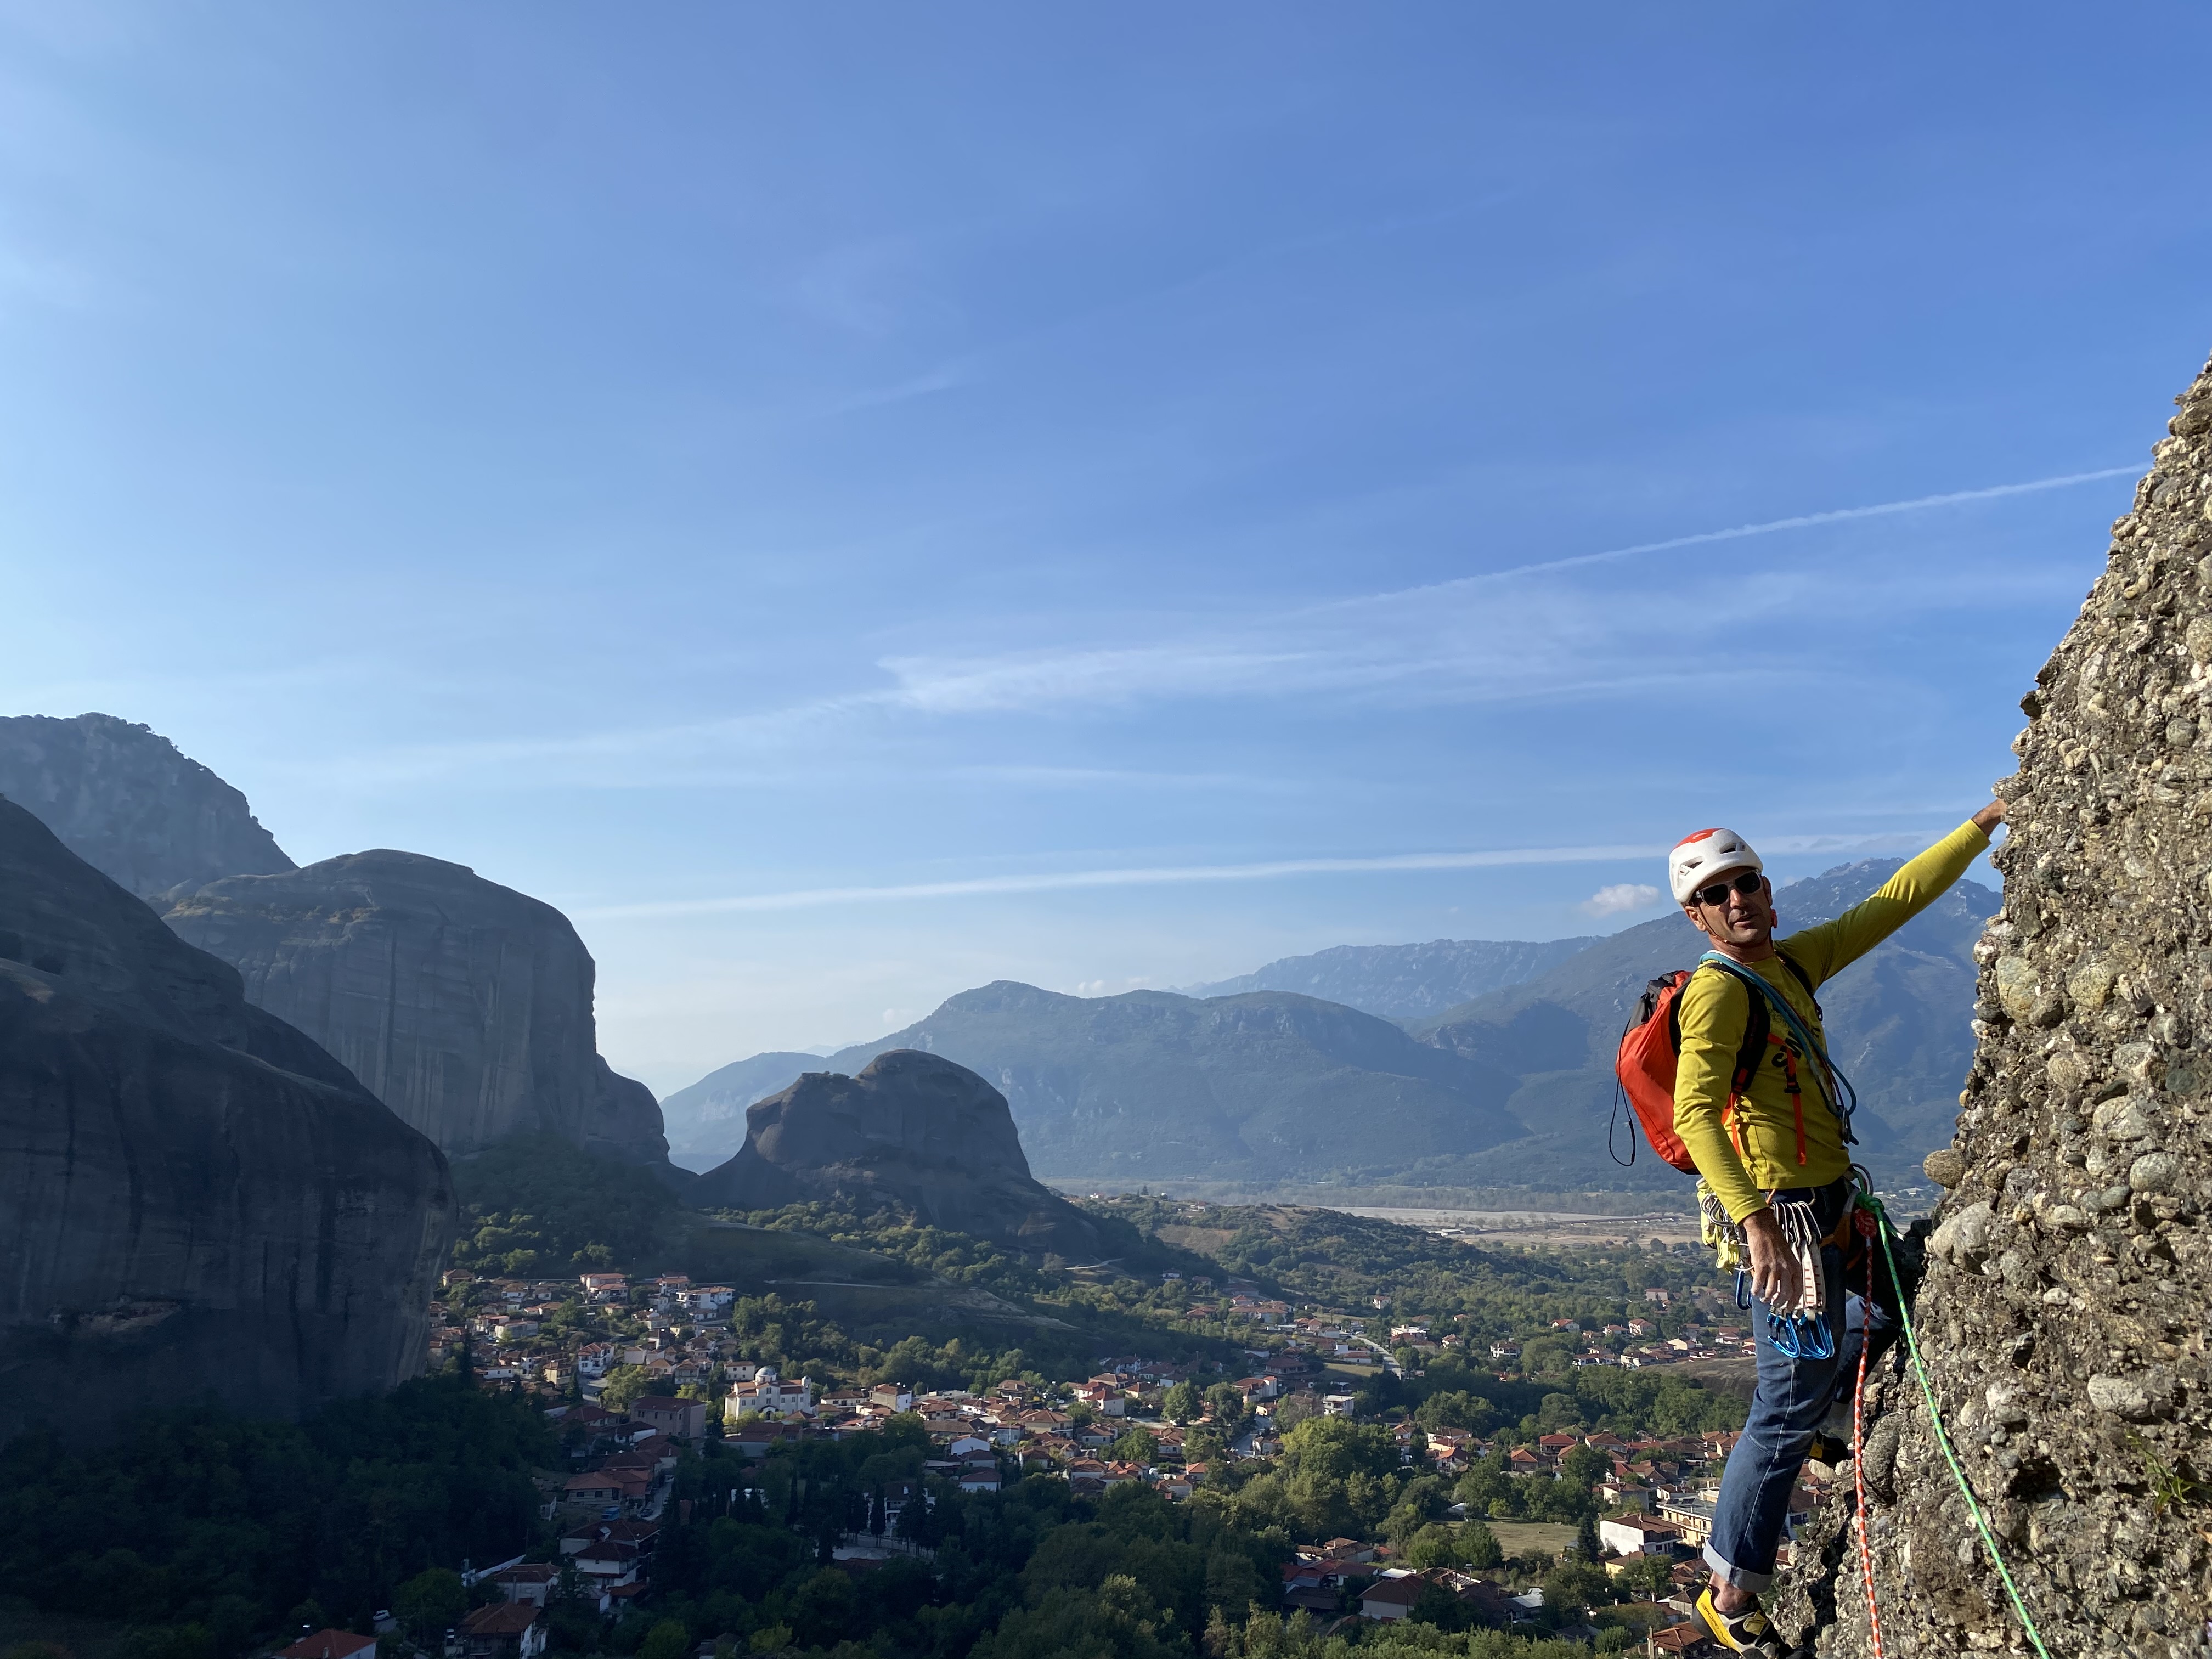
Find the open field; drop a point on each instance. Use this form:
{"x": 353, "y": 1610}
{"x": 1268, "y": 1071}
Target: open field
{"x": 1672, "y": 1197}
{"x": 1544, "y": 1226}
{"x": 1526, "y": 1537}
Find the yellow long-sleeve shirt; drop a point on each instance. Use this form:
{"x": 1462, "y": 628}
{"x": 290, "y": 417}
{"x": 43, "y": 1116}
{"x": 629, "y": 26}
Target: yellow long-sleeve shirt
{"x": 1714, "y": 1008}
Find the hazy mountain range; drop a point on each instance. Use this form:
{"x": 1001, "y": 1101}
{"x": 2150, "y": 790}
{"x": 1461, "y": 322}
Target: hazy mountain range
{"x": 1511, "y": 1087}
{"x": 1403, "y": 982}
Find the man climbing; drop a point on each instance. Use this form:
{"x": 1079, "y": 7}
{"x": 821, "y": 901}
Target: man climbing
{"x": 1772, "y": 1157}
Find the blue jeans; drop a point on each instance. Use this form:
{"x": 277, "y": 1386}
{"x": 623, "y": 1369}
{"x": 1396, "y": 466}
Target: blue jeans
{"x": 1792, "y": 1397}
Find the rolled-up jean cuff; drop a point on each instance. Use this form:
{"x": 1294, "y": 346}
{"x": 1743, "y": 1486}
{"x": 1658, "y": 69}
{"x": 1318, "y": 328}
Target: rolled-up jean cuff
{"x": 1740, "y": 1577}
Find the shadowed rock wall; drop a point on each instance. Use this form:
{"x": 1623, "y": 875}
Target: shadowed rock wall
{"x": 465, "y": 1007}
{"x": 912, "y": 1129}
{"x": 194, "y": 1197}
{"x": 2063, "y": 1316}
{"x": 126, "y": 801}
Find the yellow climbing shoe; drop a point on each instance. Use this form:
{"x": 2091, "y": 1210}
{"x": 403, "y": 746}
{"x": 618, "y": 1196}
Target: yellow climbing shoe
{"x": 1738, "y": 1632}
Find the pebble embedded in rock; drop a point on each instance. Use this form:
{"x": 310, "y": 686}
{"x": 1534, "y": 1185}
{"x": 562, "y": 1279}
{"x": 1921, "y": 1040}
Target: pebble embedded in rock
{"x": 1944, "y": 1167}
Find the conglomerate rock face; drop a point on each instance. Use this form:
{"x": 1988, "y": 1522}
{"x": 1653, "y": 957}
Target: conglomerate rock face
{"x": 912, "y": 1129}
{"x": 194, "y": 1198}
{"x": 464, "y": 1006}
{"x": 126, "y": 801}
{"x": 2063, "y": 1316}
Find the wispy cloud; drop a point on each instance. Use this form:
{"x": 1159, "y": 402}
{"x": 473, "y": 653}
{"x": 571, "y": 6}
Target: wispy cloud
{"x": 1769, "y": 527}
{"x": 1162, "y": 875}
{"x": 1621, "y": 898}
{"x": 1452, "y": 641}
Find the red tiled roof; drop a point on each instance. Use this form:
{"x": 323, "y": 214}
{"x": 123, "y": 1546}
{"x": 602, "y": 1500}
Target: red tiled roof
{"x": 327, "y": 1645}
{"x": 1394, "y": 1591}
{"x": 501, "y": 1619}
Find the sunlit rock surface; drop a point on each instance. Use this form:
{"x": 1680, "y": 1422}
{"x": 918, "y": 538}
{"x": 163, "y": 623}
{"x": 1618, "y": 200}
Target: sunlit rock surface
{"x": 464, "y": 1005}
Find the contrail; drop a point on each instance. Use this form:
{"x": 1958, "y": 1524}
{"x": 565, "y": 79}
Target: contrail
{"x": 1770, "y": 527}
{"x": 811, "y": 897}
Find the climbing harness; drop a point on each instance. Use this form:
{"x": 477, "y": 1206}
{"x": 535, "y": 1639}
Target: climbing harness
{"x": 1880, "y": 1223}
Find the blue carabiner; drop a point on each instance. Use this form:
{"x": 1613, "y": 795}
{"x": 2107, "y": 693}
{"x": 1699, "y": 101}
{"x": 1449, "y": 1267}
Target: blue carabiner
{"x": 1800, "y": 1336}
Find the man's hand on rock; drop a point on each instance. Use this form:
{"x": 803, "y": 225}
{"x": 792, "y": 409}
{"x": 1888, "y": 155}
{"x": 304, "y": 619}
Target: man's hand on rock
{"x": 1776, "y": 1278}
{"x": 1989, "y": 816}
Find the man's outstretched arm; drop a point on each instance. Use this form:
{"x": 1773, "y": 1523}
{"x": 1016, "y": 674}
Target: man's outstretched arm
{"x": 1826, "y": 950}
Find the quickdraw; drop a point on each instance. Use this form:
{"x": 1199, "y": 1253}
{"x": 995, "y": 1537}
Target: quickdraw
{"x": 1800, "y": 1330}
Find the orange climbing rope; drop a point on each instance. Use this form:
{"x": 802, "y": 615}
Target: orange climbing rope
{"x": 1866, "y": 1224}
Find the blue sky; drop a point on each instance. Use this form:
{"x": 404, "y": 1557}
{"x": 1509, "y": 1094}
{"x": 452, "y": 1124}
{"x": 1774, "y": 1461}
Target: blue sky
{"x": 854, "y": 502}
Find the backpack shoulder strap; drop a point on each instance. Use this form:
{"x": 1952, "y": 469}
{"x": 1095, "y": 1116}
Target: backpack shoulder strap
{"x": 1798, "y": 973}
{"x": 1757, "y": 1023}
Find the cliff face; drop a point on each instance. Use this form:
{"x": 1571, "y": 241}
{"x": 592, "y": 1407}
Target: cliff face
{"x": 2063, "y": 1316}
{"x": 195, "y": 1196}
{"x": 464, "y": 1005}
{"x": 123, "y": 800}
{"x": 912, "y": 1129}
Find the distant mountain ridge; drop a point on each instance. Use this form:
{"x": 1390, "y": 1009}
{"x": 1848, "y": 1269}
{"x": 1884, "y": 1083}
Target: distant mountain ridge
{"x": 1404, "y": 981}
{"x": 1513, "y": 1087}
{"x": 1898, "y": 1024}
{"x": 1152, "y": 1085}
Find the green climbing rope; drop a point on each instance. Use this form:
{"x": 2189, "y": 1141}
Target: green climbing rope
{"x": 1936, "y": 1420}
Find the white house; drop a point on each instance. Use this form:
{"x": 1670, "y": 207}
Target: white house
{"x": 1633, "y": 1535}
{"x": 766, "y": 1395}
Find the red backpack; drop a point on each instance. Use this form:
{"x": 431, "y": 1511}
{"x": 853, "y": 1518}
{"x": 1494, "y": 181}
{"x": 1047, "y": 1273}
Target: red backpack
{"x": 1652, "y": 1048}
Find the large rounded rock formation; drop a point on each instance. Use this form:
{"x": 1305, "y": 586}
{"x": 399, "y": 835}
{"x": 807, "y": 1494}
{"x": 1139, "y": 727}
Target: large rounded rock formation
{"x": 196, "y": 1199}
{"x": 126, "y": 801}
{"x": 464, "y": 1006}
{"x": 912, "y": 1129}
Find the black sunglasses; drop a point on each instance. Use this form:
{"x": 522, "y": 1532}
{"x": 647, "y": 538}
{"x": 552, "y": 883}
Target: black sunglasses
{"x": 1747, "y": 884}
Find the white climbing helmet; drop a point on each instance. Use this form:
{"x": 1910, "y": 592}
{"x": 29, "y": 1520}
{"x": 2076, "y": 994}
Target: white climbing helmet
{"x": 1697, "y": 858}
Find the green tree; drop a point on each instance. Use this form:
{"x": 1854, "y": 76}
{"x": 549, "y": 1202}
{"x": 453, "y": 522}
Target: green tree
{"x": 1652, "y": 1574}
{"x": 624, "y": 1385}
{"x": 1556, "y": 1412}
{"x": 667, "y": 1639}
{"x": 1117, "y": 1620}
{"x": 431, "y": 1603}
{"x": 1586, "y": 1540}
{"x": 1135, "y": 1445}
{"x": 1183, "y": 1403}
{"x": 1583, "y": 1467}
{"x": 1480, "y": 1545}
{"x": 1434, "y": 1546}
{"x": 1456, "y": 1408}
{"x": 1573, "y": 1588}
{"x": 1441, "y": 1608}
{"x": 1543, "y": 1355}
